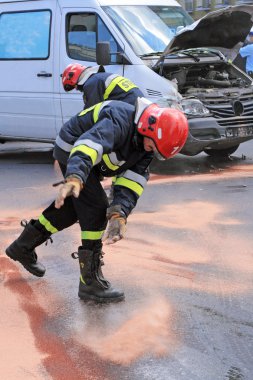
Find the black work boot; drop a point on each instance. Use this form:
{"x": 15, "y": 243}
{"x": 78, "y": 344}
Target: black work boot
{"x": 93, "y": 285}
{"x": 23, "y": 248}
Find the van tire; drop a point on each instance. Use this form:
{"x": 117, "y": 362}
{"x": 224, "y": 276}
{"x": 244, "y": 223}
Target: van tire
{"x": 221, "y": 153}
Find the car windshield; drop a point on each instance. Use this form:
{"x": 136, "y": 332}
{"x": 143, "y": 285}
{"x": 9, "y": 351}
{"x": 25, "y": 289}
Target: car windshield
{"x": 148, "y": 29}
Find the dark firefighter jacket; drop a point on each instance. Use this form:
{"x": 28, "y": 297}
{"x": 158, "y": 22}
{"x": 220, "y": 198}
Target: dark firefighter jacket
{"x": 107, "y": 86}
{"x": 104, "y": 136}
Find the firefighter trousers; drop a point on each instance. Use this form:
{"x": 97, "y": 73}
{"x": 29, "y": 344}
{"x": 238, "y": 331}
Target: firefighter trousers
{"x": 89, "y": 209}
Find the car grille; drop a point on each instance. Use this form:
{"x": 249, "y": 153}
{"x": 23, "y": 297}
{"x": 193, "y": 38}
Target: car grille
{"x": 237, "y": 121}
{"x": 222, "y": 107}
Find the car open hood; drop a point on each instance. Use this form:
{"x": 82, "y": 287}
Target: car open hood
{"x": 225, "y": 29}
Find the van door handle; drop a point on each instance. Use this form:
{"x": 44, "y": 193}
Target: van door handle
{"x": 44, "y": 74}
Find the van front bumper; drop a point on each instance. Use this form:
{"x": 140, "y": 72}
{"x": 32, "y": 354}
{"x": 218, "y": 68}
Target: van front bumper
{"x": 210, "y": 133}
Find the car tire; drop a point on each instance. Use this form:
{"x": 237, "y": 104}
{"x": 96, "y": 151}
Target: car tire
{"x": 221, "y": 152}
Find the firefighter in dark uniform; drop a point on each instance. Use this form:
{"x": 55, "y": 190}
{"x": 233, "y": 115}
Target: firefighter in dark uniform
{"x": 112, "y": 138}
{"x": 97, "y": 85}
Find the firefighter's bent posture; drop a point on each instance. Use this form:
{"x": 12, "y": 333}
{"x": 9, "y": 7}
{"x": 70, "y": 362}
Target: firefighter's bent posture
{"x": 96, "y": 86}
{"x": 112, "y": 138}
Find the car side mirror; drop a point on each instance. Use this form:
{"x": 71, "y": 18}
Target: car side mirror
{"x": 103, "y": 56}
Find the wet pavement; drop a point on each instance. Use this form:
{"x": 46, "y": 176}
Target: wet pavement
{"x": 185, "y": 266}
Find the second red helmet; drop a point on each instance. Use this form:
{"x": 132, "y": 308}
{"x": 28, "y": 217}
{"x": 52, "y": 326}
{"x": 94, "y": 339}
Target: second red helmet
{"x": 71, "y": 75}
{"x": 167, "y": 127}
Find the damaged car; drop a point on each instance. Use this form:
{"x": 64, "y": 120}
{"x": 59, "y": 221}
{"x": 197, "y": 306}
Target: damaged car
{"x": 199, "y": 60}
{"x": 215, "y": 95}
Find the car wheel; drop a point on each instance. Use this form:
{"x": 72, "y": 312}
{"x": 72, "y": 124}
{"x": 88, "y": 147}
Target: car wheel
{"x": 221, "y": 152}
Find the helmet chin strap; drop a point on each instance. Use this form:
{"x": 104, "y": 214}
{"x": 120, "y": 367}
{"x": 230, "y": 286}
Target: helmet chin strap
{"x": 141, "y": 105}
{"x": 159, "y": 156}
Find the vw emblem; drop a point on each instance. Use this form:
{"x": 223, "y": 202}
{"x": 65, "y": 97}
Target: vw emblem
{"x": 238, "y": 108}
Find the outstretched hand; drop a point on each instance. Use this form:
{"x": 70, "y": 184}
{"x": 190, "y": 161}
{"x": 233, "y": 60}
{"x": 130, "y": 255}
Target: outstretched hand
{"x": 116, "y": 229}
{"x": 73, "y": 186}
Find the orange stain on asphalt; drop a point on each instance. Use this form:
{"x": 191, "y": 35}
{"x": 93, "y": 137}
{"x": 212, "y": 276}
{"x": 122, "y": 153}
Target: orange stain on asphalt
{"x": 51, "y": 349}
{"x": 9, "y": 223}
{"x": 17, "y": 349}
{"x": 143, "y": 271}
{"x": 238, "y": 171}
{"x": 188, "y": 261}
{"x": 180, "y": 216}
{"x": 160, "y": 252}
{"x": 147, "y": 332}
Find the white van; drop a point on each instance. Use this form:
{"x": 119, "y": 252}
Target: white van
{"x": 39, "y": 38}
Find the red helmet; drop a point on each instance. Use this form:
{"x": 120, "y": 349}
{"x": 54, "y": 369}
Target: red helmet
{"x": 71, "y": 75}
{"x": 167, "y": 127}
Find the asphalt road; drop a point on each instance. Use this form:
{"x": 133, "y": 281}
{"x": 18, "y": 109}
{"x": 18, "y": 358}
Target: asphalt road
{"x": 185, "y": 266}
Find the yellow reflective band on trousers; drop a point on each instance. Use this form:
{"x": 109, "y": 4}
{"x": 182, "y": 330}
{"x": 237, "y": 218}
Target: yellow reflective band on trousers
{"x": 91, "y": 235}
{"x": 108, "y": 163}
{"x": 48, "y": 226}
{"x": 124, "y": 83}
{"x": 134, "y": 186}
{"x": 92, "y": 153}
{"x": 114, "y": 180}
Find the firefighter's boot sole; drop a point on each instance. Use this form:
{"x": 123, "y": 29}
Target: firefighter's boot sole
{"x": 102, "y": 296}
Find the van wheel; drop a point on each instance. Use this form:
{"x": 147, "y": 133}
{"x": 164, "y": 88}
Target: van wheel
{"x": 2, "y": 141}
{"x": 222, "y": 153}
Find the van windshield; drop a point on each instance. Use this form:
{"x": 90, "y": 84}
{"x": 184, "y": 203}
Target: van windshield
{"x": 148, "y": 29}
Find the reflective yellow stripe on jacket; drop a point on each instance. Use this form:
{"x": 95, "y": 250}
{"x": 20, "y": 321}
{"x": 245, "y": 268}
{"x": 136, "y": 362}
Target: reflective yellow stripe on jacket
{"x": 124, "y": 83}
{"x": 82, "y": 113}
{"x": 96, "y": 109}
{"x": 92, "y": 153}
{"x": 108, "y": 163}
{"x": 130, "y": 184}
{"x": 86, "y": 146}
{"x": 132, "y": 181}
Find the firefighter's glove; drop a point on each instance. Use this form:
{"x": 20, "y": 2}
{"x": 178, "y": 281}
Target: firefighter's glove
{"x": 116, "y": 228}
{"x": 71, "y": 186}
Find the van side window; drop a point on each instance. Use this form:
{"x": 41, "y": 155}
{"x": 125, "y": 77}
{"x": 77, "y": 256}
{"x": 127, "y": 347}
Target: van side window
{"x": 105, "y": 35}
{"x": 83, "y": 32}
{"x": 25, "y": 35}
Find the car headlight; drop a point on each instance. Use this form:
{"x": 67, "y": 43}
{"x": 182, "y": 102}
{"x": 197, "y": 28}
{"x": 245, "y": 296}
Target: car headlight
{"x": 194, "y": 107}
{"x": 165, "y": 102}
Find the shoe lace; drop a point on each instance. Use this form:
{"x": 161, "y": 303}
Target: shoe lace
{"x": 100, "y": 257}
{"x": 74, "y": 255}
{"x": 24, "y": 223}
{"x": 98, "y": 272}
{"x": 49, "y": 239}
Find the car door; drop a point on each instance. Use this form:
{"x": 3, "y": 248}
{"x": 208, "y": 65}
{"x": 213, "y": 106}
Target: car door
{"x": 81, "y": 29}
{"x": 27, "y": 107}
